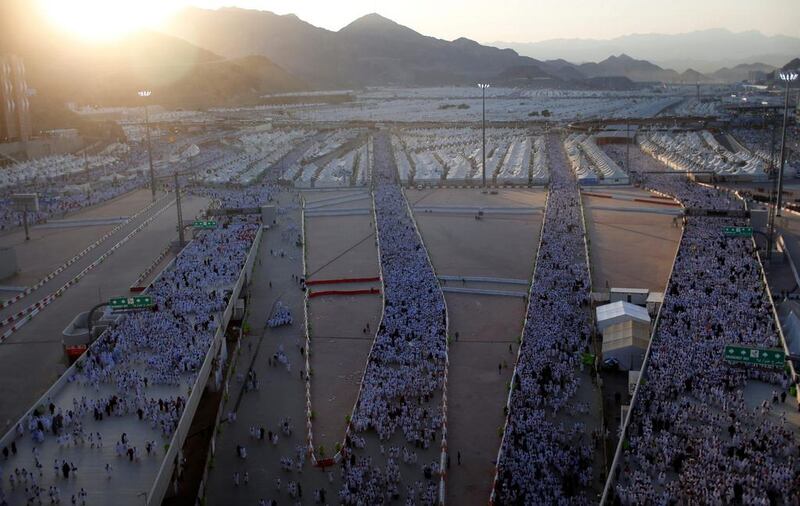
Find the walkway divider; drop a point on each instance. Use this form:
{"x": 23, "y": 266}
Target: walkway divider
{"x": 171, "y": 459}
{"x": 349, "y": 426}
{"x": 664, "y": 201}
{"x": 479, "y": 291}
{"x": 137, "y": 287}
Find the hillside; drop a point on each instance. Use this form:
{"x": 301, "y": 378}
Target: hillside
{"x": 374, "y": 50}
{"x": 740, "y": 72}
{"x": 635, "y": 70}
{"x": 62, "y": 68}
{"x": 371, "y": 50}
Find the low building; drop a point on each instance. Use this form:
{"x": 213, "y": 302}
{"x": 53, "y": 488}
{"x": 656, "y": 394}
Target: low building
{"x": 618, "y": 312}
{"x": 627, "y": 343}
{"x": 636, "y": 296}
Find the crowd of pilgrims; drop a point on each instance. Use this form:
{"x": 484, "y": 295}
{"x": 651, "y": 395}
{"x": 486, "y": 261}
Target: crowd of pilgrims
{"x": 692, "y": 437}
{"x": 54, "y": 205}
{"x": 404, "y": 378}
{"x": 544, "y": 460}
{"x": 86, "y": 188}
{"x": 140, "y": 369}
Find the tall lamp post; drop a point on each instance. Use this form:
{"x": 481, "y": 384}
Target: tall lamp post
{"x": 145, "y": 94}
{"x": 773, "y": 192}
{"x": 483, "y": 87}
{"x": 788, "y": 77}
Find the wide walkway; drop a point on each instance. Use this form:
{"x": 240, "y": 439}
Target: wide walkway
{"x": 33, "y": 357}
{"x": 89, "y": 444}
{"x": 281, "y": 394}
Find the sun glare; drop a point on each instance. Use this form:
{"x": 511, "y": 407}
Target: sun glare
{"x": 105, "y": 19}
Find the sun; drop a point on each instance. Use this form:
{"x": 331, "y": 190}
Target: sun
{"x": 106, "y": 19}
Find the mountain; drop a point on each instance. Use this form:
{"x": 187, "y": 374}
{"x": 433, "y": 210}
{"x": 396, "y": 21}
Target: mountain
{"x": 793, "y": 64}
{"x": 624, "y": 65}
{"x": 371, "y": 50}
{"x": 740, "y": 72}
{"x": 374, "y": 50}
{"x": 691, "y": 76}
{"x": 62, "y": 67}
{"x": 705, "y": 50}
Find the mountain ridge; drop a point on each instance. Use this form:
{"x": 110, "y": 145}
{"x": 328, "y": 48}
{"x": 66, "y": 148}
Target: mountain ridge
{"x": 704, "y": 50}
{"x": 375, "y": 50}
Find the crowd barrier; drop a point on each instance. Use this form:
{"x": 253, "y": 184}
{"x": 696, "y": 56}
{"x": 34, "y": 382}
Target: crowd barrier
{"x": 312, "y": 282}
{"x": 349, "y": 425}
{"x": 365, "y": 291}
{"x": 519, "y": 351}
{"x": 137, "y": 287}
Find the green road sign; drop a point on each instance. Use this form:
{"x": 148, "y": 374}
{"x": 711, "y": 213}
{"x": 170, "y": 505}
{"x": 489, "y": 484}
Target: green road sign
{"x": 204, "y": 224}
{"x": 755, "y": 356}
{"x": 138, "y": 302}
{"x": 738, "y": 231}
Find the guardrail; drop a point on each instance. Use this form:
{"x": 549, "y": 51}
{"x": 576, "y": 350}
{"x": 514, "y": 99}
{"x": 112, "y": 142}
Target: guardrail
{"x": 635, "y": 396}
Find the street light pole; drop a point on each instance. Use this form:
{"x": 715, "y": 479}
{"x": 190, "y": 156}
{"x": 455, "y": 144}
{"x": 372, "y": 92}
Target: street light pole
{"x": 181, "y": 240}
{"x": 145, "y": 94}
{"x": 628, "y": 145}
{"x": 788, "y": 77}
{"x": 772, "y": 193}
{"x": 483, "y": 101}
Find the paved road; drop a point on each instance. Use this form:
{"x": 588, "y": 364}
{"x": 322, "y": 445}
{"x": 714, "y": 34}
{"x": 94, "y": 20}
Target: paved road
{"x": 45, "y": 253}
{"x": 35, "y": 259}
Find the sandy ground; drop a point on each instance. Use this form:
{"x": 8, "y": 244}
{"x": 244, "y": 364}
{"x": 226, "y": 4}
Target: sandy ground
{"x": 487, "y": 326}
{"x": 630, "y": 250}
{"x": 340, "y": 247}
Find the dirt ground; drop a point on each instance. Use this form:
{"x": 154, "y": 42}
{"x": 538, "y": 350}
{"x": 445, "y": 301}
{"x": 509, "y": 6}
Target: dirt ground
{"x": 339, "y": 247}
{"x": 488, "y": 327}
{"x": 629, "y": 249}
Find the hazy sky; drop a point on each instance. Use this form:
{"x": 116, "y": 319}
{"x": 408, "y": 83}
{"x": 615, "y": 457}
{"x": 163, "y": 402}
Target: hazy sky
{"x": 484, "y": 21}
{"x": 534, "y": 20}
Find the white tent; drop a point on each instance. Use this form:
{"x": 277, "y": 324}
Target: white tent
{"x": 619, "y": 312}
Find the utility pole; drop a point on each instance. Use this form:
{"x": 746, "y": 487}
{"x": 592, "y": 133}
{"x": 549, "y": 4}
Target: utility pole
{"x": 145, "y": 94}
{"x": 483, "y": 101}
{"x": 788, "y": 77}
{"x": 25, "y": 222}
{"x": 181, "y": 240}
{"x": 771, "y": 209}
{"x": 628, "y": 146}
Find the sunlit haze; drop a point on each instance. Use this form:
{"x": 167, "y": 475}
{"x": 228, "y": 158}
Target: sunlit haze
{"x": 511, "y": 20}
{"x": 106, "y": 19}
